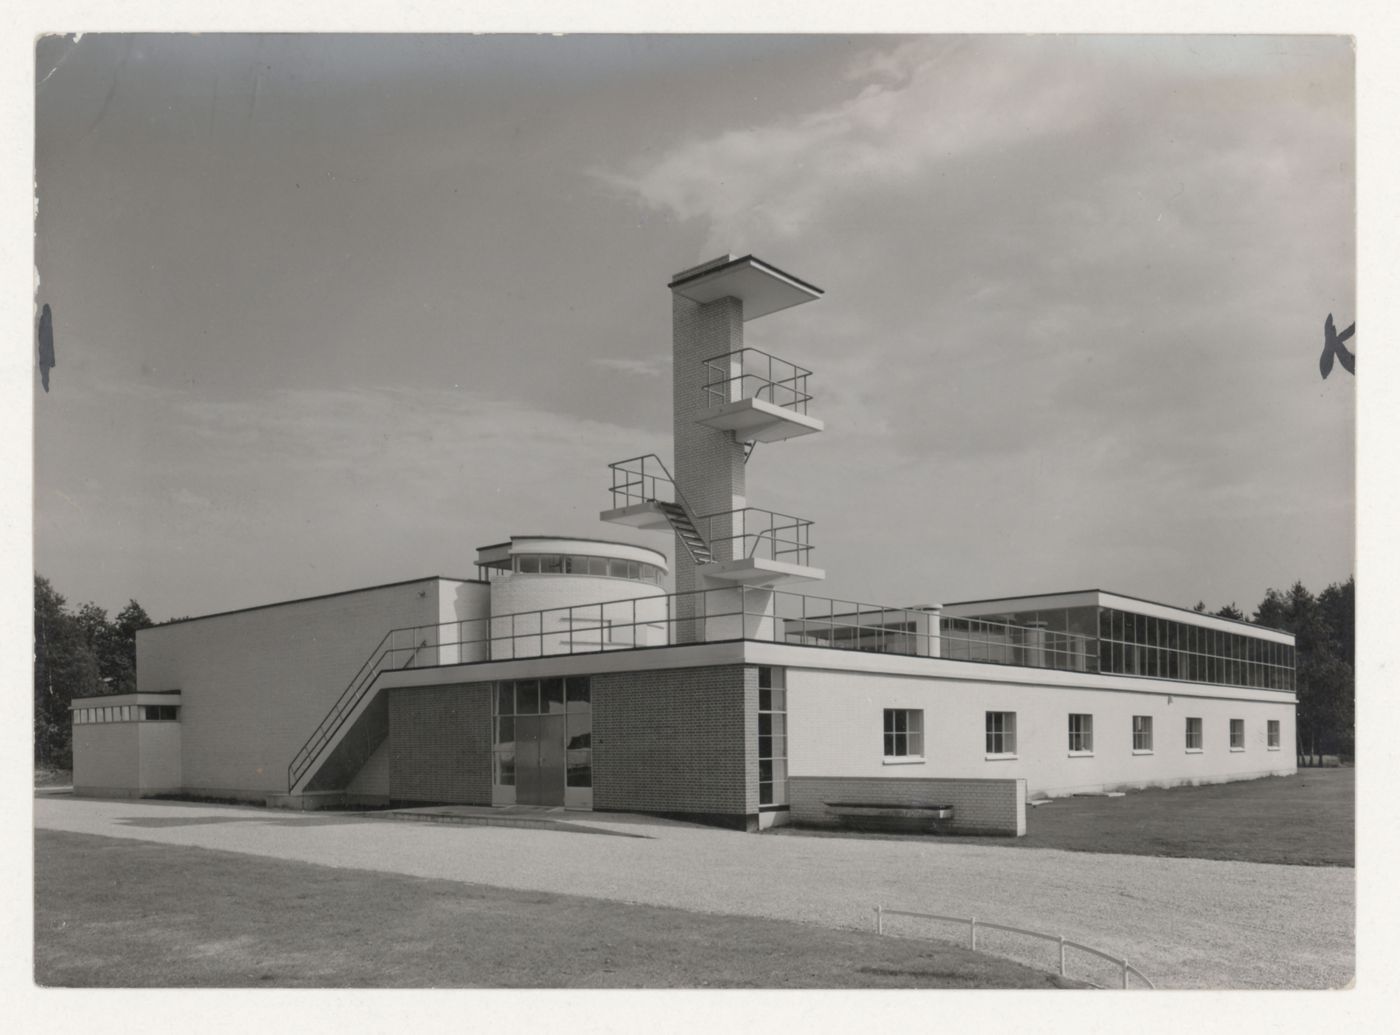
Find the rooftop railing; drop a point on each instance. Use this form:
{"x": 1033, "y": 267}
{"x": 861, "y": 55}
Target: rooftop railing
{"x": 754, "y": 374}
{"x": 740, "y": 612}
{"x": 701, "y": 616}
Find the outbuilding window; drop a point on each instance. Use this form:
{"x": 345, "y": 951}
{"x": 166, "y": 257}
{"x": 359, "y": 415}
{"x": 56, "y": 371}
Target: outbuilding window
{"x": 1142, "y": 733}
{"x": 1194, "y": 737}
{"x": 1081, "y": 734}
{"x": 1001, "y": 733}
{"x": 904, "y": 733}
{"x": 1273, "y": 735}
{"x": 1236, "y": 734}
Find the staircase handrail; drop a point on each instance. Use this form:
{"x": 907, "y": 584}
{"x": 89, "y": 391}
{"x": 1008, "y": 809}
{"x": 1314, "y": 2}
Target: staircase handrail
{"x": 349, "y": 698}
{"x": 619, "y": 467}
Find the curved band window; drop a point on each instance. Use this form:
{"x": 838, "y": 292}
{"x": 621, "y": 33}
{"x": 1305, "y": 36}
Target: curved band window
{"x": 583, "y": 564}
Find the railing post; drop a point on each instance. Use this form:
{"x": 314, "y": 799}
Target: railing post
{"x": 879, "y": 919}
{"x": 972, "y": 934}
{"x": 1062, "y": 955}
{"x": 1125, "y": 973}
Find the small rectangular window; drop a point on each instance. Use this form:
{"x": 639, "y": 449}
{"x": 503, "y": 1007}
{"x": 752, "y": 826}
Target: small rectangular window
{"x": 1193, "y": 734}
{"x": 1142, "y": 733}
{"x": 1273, "y": 734}
{"x": 1236, "y": 734}
{"x": 1001, "y": 733}
{"x": 904, "y": 733}
{"x": 1081, "y": 734}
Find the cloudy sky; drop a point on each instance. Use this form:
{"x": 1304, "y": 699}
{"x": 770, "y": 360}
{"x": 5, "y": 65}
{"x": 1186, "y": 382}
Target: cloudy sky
{"x": 333, "y": 311}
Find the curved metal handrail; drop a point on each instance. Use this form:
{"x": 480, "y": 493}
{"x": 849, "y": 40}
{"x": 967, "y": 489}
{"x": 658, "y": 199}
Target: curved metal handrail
{"x": 1125, "y": 968}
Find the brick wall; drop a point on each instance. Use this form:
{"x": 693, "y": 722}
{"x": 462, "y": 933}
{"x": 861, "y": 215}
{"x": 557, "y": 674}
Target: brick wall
{"x": 677, "y": 740}
{"x": 979, "y": 806}
{"x": 440, "y": 744}
{"x": 708, "y": 464}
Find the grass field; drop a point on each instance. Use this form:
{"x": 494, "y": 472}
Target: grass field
{"x": 1304, "y": 820}
{"x": 122, "y": 913}
{"x": 46, "y": 776}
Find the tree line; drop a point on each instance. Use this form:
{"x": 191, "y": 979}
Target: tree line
{"x": 77, "y": 653}
{"x": 1325, "y": 661}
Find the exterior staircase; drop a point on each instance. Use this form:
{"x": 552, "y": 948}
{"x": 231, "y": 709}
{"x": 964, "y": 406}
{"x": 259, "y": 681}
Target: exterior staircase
{"x": 686, "y": 531}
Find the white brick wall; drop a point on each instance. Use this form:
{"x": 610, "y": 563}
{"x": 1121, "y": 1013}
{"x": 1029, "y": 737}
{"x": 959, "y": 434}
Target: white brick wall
{"x": 159, "y": 749}
{"x": 106, "y": 757}
{"x": 256, "y": 683}
{"x": 708, "y": 464}
{"x": 835, "y": 726}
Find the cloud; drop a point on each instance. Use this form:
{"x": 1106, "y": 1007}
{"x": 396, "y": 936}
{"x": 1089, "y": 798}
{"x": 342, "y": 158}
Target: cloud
{"x": 639, "y": 367}
{"x": 925, "y": 102}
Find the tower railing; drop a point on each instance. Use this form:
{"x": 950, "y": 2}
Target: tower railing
{"x": 755, "y": 532}
{"x": 644, "y": 479}
{"x": 755, "y": 374}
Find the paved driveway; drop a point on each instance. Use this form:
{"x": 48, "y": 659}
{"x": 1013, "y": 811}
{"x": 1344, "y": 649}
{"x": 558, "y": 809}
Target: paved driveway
{"x": 1186, "y": 923}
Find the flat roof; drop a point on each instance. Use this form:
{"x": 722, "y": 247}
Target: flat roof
{"x": 762, "y": 287}
{"x": 564, "y": 545}
{"x": 127, "y": 698}
{"x": 1032, "y": 597}
{"x": 318, "y": 596}
{"x": 569, "y": 538}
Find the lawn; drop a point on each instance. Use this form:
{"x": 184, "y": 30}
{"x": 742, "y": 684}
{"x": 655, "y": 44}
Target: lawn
{"x": 1304, "y": 820}
{"x": 47, "y": 776}
{"x": 122, "y": 913}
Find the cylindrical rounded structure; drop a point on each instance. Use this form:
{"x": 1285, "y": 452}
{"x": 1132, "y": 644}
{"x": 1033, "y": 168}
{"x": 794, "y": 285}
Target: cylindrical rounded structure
{"x": 556, "y": 595}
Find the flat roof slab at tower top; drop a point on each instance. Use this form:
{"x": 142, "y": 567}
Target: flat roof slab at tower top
{"x": 762, "y": 288}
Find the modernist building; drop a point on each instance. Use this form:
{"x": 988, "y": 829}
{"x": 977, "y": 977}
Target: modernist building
{"x": 565, "y": 673}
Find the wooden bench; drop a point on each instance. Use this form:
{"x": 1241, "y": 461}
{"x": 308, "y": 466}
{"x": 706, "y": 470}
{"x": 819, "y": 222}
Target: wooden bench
{"x": 890, "y": 817}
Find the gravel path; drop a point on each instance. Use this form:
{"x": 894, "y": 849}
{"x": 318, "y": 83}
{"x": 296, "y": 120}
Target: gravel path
{"x": 1185, "y": 923}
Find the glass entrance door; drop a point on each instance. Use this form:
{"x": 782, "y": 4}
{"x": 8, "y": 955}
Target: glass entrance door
{"x": 539, "y": 760}
{"x": 543, "y": 750}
